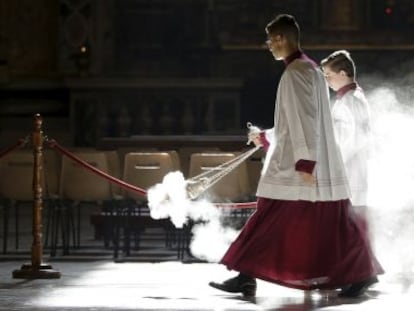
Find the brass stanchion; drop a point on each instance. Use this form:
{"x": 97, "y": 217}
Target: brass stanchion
{"x": 37, "y": 269}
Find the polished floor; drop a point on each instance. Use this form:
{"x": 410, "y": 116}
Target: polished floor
{"x": 154, "y": 279}
{"x": 172, "y": 285}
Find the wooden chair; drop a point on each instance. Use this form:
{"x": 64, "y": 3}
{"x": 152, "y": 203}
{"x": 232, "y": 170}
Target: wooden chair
{"x": 233, "y": 187}
{"x": 105, "y": 219}
{"x": 115, "y": 170}
{"x": 16, "y": 188}
{"x": 144, "y": 170}
{"x": 185, "y": 153}
{"x": 52, "y": 167}
{"x": 79, "y": 186}
{"x": 175, "y": 157}
{"x": 122, "y": 151}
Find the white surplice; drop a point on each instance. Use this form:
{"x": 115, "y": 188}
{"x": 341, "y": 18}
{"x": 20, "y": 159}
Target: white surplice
{"x": 351, "y": 116}
{"x": 303, "y": 130}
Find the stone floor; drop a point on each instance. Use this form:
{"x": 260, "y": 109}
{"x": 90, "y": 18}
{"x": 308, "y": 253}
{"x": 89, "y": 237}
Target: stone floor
{"x": 172, "y": 285}
{"x": 154, "y": 279}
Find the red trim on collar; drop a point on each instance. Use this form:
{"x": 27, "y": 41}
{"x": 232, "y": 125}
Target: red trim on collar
{"x": 298, "y": 54}
{"x": 343, "y": 90}
{"x": 292, "y": 57}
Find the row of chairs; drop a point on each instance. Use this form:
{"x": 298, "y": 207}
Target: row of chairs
{"x": 68, "y": 185}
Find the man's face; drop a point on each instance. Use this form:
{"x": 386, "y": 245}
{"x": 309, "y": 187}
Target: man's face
{"x": 275, "y": 46}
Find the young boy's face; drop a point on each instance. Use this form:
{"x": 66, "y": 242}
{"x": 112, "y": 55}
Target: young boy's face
{"x": 335, "y": 80}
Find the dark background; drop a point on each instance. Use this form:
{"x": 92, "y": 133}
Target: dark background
{"x": 116, "y": 68}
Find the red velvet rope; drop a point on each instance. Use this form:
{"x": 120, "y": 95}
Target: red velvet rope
{"x": 20, "y": 143}
{"x": 237, "y": 205}
{"x": 53, "y": 144}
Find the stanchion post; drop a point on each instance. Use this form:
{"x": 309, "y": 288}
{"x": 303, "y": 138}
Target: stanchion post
{"x": 37, "y": 269}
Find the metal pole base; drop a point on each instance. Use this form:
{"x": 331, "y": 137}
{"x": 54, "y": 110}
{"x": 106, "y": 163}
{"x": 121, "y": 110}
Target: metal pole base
{"x": 44, "y": 271}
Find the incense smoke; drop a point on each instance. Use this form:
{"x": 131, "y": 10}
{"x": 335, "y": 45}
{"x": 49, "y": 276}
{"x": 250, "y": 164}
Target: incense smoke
{"x": 210, "y": 237}
{"x": 391, "y": 181}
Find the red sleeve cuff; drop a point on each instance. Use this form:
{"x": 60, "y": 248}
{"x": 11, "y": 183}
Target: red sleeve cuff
{"x": 305, "y": 166}
{"x": 264, "y": 141}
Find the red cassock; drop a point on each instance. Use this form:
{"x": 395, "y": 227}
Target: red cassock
{"x": 304, "y": 245}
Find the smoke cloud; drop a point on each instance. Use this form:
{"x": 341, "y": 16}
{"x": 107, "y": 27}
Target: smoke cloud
{"x": 210, "y": 237}
{"x": 391, "y": 181}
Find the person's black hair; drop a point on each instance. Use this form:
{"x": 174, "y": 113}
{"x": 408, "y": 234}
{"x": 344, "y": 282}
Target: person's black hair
{"x": 285, "y": 25}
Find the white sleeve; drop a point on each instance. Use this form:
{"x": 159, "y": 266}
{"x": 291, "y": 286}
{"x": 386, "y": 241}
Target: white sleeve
{"x": 270, "y": 135}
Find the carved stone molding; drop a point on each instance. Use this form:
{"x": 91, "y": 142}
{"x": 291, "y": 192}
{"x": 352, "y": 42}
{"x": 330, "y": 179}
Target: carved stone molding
{"x": 125, "y": 107}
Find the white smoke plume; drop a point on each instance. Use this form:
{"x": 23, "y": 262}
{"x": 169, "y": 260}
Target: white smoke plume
{"x": 210, "y": 237}
{"x": 391, "y": 182}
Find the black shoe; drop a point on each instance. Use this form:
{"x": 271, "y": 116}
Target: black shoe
{"x": 357, "y": 289}
{"x": 239, "y": 284}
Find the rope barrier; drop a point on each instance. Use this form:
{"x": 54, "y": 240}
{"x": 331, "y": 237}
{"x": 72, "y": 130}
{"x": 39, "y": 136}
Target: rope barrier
{"x": 53, "y": 144}
{"x": 37, "y": 268}
{"x": 20, "y": 143}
